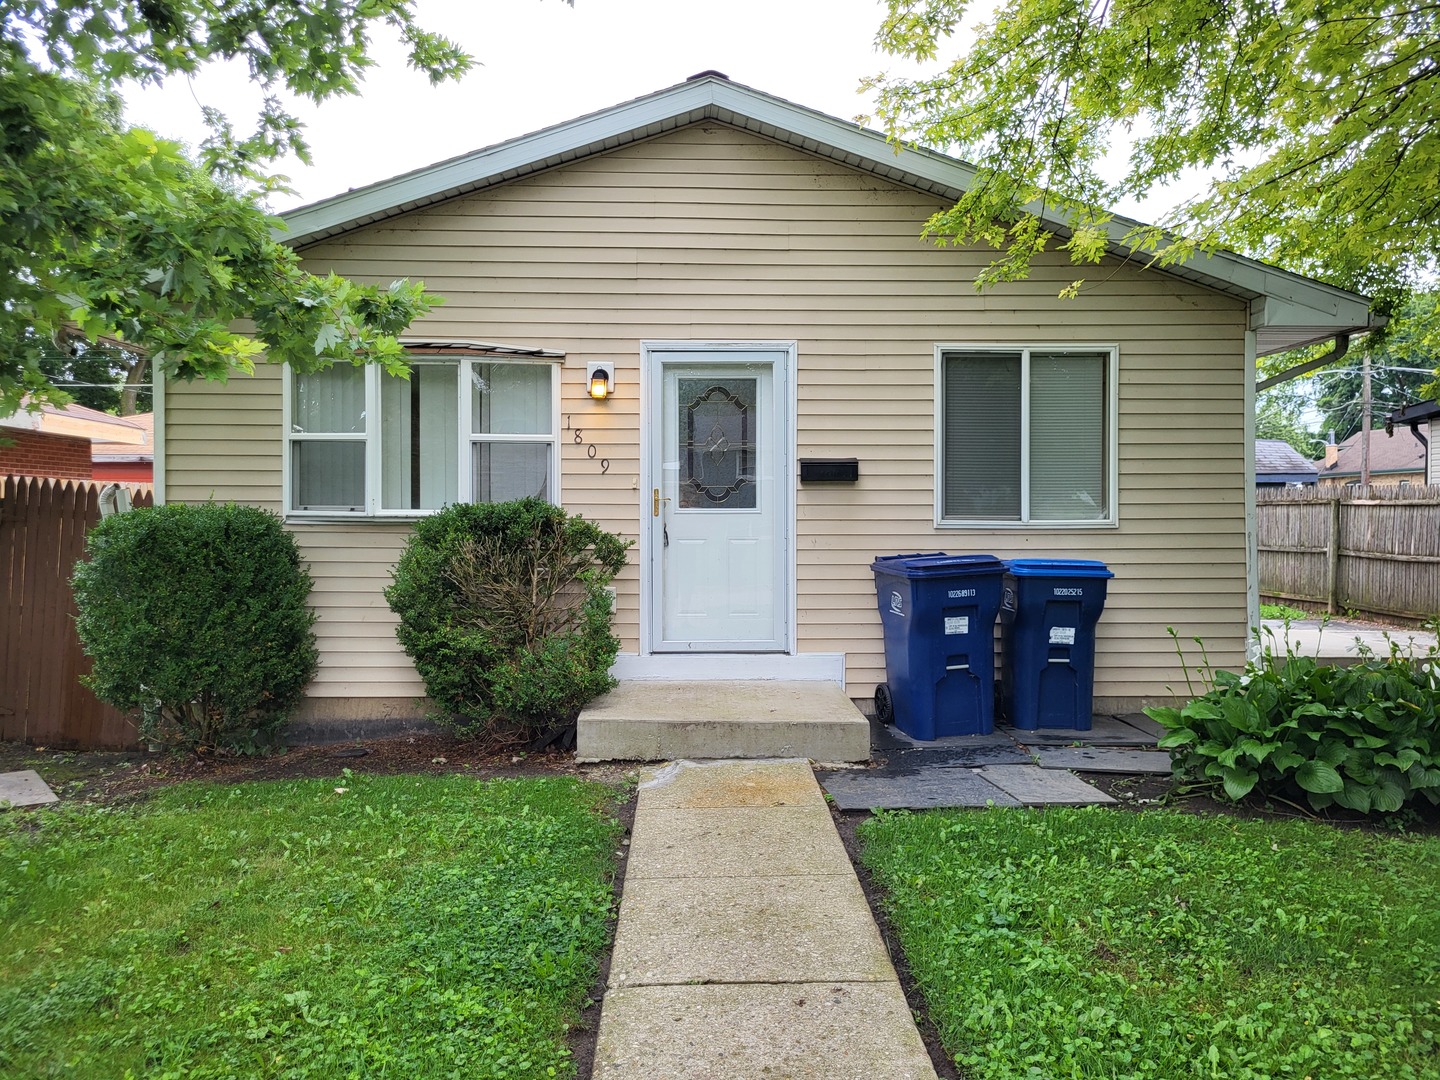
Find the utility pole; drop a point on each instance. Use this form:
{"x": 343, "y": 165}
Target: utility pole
{"x": 1365, "y": 420}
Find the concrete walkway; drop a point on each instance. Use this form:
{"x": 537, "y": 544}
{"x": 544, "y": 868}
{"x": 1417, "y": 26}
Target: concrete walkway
{"x": 745, "y": 947}
{"x": 1337, "y": 640}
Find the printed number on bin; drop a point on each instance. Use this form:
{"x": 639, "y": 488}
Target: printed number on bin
{"x": 1069, "y": 592}
{"x": 957, "y": 624}
{"x": 1062, "y": 635}
{"x": 958, "y": 594}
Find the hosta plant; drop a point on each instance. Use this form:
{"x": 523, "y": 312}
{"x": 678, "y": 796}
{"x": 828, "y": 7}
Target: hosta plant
{"x": 1365, "y": 737}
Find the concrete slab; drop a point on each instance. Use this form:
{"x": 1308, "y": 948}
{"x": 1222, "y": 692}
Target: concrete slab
{"x": 1034, "y": 786}
{"x": 736, "y": 842}
{"x": 950, "y": 742}
{"x": 25, "y": 788}
{"x": 969, "y": 757}
{"x": 1103, "y": 759}
{"x": 798, "y": 1031}
{"x": 1104, "y": 731}
{"x": 928, "y": 789}
{"x": 746, "y": 930}
{"x": 1142, "y": 722}
{"x": 657, "y": 721}
{"x": 1339, "y": 641}
{"x": 696, "y": 785}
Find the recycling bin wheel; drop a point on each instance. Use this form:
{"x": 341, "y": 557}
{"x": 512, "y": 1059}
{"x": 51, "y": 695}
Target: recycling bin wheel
{"x": 884, "y": 705}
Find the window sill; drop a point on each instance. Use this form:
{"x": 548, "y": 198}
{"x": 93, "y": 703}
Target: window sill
{"x": 1067, "y": 526}
{"x": 355, "y": 519}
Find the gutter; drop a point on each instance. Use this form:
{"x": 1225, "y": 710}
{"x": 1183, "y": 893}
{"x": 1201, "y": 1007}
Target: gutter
{"x": 1341, "y": 347}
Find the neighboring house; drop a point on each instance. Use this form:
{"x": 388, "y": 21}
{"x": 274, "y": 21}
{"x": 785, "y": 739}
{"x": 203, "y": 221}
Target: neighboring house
{"x": 1394, "y": 459}
{"x": 129, "y": 455}
{"x": 28, "y": 450}
{"x": 1423, "y": 421}
{"x": 113, "y": 447}
{"x": 752, "y": 276}
{"x": 1278, "y": 464}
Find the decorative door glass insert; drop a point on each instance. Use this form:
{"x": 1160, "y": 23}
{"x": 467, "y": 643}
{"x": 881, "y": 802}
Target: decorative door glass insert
{"x": 717, "y": 443}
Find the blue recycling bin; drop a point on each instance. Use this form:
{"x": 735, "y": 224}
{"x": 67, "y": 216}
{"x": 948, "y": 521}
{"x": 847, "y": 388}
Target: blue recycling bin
{"x": 938, "y": 612}
{"x": 1047, "y": 619}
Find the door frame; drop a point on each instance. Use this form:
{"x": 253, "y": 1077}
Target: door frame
{"x": 652, "y": 354}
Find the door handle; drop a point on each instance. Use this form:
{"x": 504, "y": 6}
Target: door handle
{"x": 656, "y": 500}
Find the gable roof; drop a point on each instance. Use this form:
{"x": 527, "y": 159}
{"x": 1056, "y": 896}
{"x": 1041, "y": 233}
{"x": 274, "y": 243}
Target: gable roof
{"x": 1277, "y": 462}
{"x": 1286, "y": 310}
{"x": 1398, "y": 453}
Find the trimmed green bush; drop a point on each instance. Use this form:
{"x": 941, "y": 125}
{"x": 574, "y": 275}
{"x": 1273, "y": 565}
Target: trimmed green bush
{"x": 196, "y": 618}
{"x": 1365, "y": 737}
{"x": 503, "y": 609}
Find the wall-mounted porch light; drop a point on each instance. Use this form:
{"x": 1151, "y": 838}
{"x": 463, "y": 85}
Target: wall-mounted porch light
{"x": 599, "y": 380}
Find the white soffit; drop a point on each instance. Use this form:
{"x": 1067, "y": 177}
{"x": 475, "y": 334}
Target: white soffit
{"x": 1286, "y": 310}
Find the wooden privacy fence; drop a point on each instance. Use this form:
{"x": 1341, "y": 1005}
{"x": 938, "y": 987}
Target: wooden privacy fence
{"x": 43, "y": 523}
{"x": 1374, "y": 550}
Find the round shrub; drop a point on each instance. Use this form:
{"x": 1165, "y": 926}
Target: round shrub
{"x": 503, "y": 609}
{"x": 195, "y": 617}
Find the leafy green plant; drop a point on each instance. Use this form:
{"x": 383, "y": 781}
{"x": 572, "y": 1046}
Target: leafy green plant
{"x": 1365, "y": 737}
{"x": 196, "y": 617}
{"x": 1283, "y": 611}
{"x": 504, "y": 610}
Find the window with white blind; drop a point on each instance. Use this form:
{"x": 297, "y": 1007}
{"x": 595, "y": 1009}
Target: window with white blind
{"x": 1026, "y": 436}
{"x": 362, "y": 442}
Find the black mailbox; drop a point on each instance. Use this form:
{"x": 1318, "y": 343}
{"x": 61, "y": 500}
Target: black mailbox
{"x": 829, "y": 470}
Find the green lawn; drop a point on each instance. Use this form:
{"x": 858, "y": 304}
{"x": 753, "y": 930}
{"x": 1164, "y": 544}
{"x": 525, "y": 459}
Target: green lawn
{"x": 403, "y": 926}
{"x": 1095, "y": 943}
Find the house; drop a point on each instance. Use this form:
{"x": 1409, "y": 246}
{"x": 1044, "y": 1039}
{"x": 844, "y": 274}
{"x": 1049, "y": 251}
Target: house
{"x": 27, "y": 449}
{"x": 1278, "y": 464}
{"x": 127, "y": 455}
{"x": 748, "y": 278}
{"x": 80, "y": 444}
{"x": 1394, "y": 459}
{"x": 1423, "y": 420}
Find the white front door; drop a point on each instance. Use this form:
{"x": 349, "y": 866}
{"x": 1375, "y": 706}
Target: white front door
{"x": 719, "y": 500}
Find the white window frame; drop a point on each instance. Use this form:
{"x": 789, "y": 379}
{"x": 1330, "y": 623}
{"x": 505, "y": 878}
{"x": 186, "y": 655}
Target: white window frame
{"x": 466, "y": 439}
{"x": 1112, "y": 434}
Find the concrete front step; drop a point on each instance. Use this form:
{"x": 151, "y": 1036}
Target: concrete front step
{"x": 663, "y": 721}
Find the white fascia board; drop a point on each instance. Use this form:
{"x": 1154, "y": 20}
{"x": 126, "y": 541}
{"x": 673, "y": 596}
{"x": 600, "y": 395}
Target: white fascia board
{"x": 1331, "y": 310}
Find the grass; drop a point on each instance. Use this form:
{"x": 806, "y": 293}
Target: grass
{"x": 1284, "y": 611}
{"x": 402, "y": 926}
{"x": 1090, "y": 943}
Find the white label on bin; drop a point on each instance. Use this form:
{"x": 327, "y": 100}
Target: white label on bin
{"x": 957, "y": 624}
{"x": 1062, "y": 635}
{"x": 897, "y": 604}
{"x": 958, "y": 594}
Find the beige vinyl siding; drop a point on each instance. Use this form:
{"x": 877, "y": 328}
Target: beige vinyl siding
{"x": 709, "y": 233}
{"x": 1432, "y": 468}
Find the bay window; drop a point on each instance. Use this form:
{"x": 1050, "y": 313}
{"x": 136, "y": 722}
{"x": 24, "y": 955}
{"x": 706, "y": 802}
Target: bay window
{"x": 1026, "y": 436}
{"x": 362, "y": 442}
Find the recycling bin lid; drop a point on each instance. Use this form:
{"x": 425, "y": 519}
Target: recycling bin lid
{"x": 1081, "y": 568}
{"x": 937, "y": 564}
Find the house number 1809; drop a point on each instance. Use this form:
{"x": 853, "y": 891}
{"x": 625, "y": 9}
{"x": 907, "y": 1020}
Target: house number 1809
{"x": 590, "y": 450}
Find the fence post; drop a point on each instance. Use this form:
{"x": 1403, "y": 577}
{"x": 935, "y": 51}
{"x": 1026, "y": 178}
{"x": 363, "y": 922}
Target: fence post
{"x": 1332, "y": 560}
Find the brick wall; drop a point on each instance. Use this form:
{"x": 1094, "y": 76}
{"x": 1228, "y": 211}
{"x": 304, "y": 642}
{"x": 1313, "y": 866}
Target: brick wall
{"x": 39, "y": 453}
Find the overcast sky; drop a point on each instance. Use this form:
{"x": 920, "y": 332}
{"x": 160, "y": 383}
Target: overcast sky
{"x": 543, "y": 62}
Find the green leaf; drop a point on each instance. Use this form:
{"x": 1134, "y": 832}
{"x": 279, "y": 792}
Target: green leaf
{"x": 1239, "y": 782}
{"x": 1319, "y": 776}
